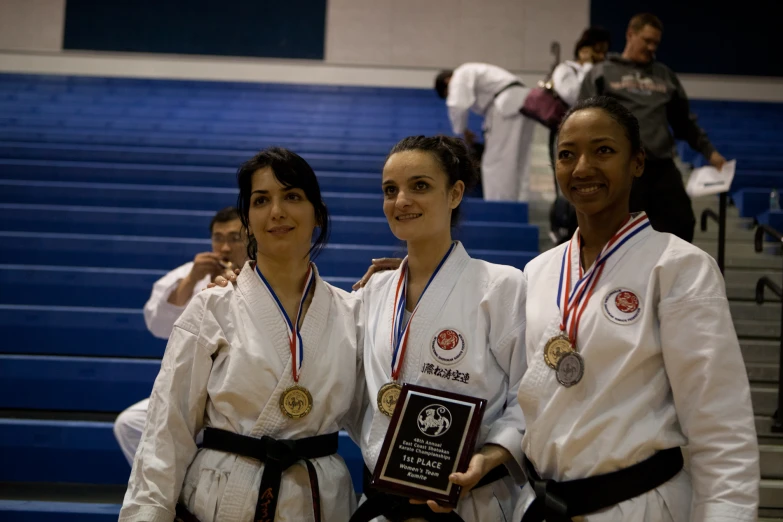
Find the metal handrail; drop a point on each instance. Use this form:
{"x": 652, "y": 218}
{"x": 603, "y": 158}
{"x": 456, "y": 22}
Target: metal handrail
{"x": 758, "y": 241}
{"x": 761, "y": 284}
{"x": 720, "y": 218}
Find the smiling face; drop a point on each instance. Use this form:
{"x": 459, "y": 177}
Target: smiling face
{"x": 595, "y": 164}
{"x": 281, "y": 218}
{"x": 418, "y": 200}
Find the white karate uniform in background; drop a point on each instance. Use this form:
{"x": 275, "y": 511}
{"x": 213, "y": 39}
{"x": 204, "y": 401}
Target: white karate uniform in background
{"x": 508, "y": 135}
{"x": 664, "y": 373}
{"x": 226, "y": 365}
{"x": 484, "y": 303}
{"x": 159, "y": 315}
{"x": 567, "y": 80}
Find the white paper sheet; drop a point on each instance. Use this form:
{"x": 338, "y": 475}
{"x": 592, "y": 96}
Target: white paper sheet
{"x": 709, "y": 180}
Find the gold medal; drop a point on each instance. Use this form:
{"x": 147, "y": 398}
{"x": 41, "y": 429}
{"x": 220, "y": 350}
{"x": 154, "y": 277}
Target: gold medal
{"x": 555, "y": 348}
{"x": 387, "y": 397}
{"x": 296, "y": 402}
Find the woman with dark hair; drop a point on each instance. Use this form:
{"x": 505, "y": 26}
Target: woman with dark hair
{"x": 631, "y": 356}
{"x": 446, "y": 321}
{"x": 590, "y": 49}
{"x": 268, "y": 367}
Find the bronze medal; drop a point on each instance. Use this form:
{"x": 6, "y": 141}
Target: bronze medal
{"x": 296, "y": 402}
{"x": 555, "y": 349}
{"x": 387, "y": 398}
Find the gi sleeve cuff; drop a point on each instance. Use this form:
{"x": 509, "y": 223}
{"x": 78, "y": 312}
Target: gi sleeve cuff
{"x": 722, "y": 512}
{"x": 510, "y": 439}
{"x": 148, "y": 514}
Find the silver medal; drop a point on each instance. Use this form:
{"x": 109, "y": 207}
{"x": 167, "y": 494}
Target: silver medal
{"x": 570, "y": 369}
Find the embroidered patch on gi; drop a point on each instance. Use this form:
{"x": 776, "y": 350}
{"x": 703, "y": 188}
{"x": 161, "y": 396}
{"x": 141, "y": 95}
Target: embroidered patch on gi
{"x": 622, "y": 306}
{"x": 448, "y": 346}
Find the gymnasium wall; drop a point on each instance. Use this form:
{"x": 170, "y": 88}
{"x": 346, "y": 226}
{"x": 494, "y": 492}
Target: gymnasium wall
{"x": 398, "y": 43}
{"x": 515, "y": 34}
{"x": 32, "y": 25}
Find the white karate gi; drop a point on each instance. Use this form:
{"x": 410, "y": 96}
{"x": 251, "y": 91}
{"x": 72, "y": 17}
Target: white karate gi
{"x": 567, "y": 80}
{"x": 226, "y": 365}
{"x": 661, "y": 373}
{"x": 484, "y": 303}
{"x": 159, "y": 315}
{"x": 508, "y": 135}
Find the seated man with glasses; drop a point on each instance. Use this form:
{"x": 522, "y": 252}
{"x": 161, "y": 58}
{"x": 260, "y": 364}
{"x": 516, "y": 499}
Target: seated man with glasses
{"x": 170, "y": 296}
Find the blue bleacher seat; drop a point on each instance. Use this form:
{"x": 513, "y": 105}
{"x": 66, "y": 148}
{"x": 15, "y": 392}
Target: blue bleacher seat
{"x": 187, "y": 223}
{"x": 16, "y": 191}
{"x": 48, "y": 511}
{"x": 751, "y": 201}
{"x": 85, "y": 452}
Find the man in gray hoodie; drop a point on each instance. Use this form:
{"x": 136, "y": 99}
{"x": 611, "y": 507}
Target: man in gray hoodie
{"x": 653, "y": 93}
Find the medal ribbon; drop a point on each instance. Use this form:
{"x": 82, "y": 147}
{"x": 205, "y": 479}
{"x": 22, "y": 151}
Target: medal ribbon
{"x": 583, "y": 290}
{"x": 294, "y": 336}
{"x": 399, "y": 339}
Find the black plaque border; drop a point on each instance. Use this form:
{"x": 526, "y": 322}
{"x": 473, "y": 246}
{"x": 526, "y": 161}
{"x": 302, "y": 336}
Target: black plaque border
{"x": 468, "y": 447}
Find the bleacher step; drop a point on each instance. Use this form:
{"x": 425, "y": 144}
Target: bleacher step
{"x": 741, "y": 282}
{"x": 769, "y": 311}
{"x": 738, "y": 230}
{"x": 744, "y": 256}
{"x": 757, "y": 329}
{"x": 764, "y": 398}
{"x": 204, "y": 198}
{"x": 762, "y": 372}
{"x": 771, "y": 494}
{"x": 771, "y": 460}
{"x": 760, "y": 350}
{"x": 43, "y": 511}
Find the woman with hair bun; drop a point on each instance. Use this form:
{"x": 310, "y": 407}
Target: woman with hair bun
{"x": 445, "y": 321}
{"x": 631, "y": 356}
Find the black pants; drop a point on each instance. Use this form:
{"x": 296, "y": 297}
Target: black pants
{"x": 661, "y": 193}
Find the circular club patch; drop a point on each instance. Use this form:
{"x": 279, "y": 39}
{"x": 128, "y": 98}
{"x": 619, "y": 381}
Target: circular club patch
{"x": 622, "y": 306}
{"x": 448, "y": 346}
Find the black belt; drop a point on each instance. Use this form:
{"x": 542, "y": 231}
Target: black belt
{"x": 559, "y": 501}
{"x": 397, "y": 509}
{"x": 507, "y": 87}
{"x": 277, "y": 456}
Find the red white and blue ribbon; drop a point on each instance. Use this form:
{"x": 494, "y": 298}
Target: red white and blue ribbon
{"x": 400, "y": 331}
{"x": 294, "y": 335}
{"x": 572, "y": 304}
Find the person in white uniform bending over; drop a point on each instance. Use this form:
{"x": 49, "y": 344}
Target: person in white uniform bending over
{"x": 268, "y": 368}
{"x": 170, "y": 295}
{"x": 451, "y": 323}
{"x": 632, "y": 355}
{"x": 497, "y": 96}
